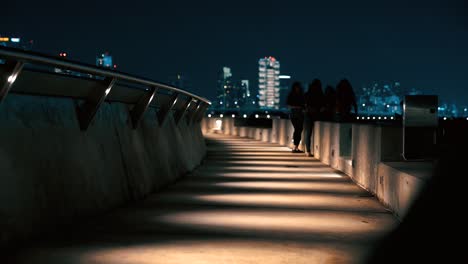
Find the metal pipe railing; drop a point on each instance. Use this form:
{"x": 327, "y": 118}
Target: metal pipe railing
{"x": 36, "y": 58}
{"x": 15, "y": 60}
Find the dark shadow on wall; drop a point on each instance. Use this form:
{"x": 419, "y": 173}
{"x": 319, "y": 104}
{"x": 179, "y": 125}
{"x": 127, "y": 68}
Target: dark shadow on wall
{"x": 435, "y": 227}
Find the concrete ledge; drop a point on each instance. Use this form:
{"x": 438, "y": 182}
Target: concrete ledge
{"x": 401, "y": 182}
{"x": 51, "y": 172}
{"x": 369, "y": 154}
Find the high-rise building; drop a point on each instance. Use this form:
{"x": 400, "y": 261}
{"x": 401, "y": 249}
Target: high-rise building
{"x": 244, "y": 97}
{"x": 15, "y": 42}
{"x": 269, "y": 83}
{"x": 105, "y": 60}
{"x": 180, "y": 81}
{"x": 227, "y": 92}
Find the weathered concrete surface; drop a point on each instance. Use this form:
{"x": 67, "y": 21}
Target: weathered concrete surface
{"x": 51, "y": 172}
{"x": 250, "y": 202}
{"x": 400, "y": 183}
{"x": 359, "y": 150}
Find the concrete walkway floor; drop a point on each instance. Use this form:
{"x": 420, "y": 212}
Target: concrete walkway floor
{"x": 250, "y": 202}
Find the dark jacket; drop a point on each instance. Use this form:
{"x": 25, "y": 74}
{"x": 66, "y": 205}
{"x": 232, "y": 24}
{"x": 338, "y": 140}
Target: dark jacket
{"x": 295, "y": 99}
{"x": 314, "y": 103}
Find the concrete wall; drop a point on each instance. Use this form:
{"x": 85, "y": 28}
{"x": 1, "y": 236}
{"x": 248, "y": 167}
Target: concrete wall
{"x": 51, "y": 172}
{"x": 362, "y": 151}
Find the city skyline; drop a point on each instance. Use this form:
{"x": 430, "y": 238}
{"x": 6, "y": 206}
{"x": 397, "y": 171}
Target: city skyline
{"x": 420, "y": 43}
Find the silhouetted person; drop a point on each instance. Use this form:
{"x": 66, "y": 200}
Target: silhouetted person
{"x": 296, "y": 103}
{"x": 345, "y": 100}
{"x": 329, "y": 103}
{"x": 314, "y": 103}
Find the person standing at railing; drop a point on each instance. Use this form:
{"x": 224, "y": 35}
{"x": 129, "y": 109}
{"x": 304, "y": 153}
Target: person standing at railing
{"x": 345, "y": 100}
{"x": 330, "y": 103}
{"x": 314, "y": 107}
{"x": 296, "y": 103}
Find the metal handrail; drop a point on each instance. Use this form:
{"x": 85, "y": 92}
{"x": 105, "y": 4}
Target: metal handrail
{"x": 37, "y": 58}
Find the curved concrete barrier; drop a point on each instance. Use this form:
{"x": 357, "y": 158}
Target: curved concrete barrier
{"x": 51, "y": 172}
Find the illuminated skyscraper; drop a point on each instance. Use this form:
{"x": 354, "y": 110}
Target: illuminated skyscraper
{"x": 105, "y": 60}
{"x": 225, "y": 89}
{"x": 269, "y": 83}
{"x": 180, "y": 81}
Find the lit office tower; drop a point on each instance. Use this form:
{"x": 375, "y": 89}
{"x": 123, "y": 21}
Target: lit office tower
{"x": 105, "y": 60}
{"x": 225, "y": 93}
{"x": 268, "y": 83}
{"x": 244, "y": 98}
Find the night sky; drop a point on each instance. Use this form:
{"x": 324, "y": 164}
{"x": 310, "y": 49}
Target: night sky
{"x": 422, "y": 44}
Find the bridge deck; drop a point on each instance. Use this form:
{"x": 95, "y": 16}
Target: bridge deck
{"x": 250, "y": 202}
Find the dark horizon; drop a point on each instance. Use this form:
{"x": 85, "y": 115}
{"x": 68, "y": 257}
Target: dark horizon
{"x": 422, "y": 44}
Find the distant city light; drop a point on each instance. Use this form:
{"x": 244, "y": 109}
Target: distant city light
{"x": 221, "y": 115}
{"x": 466, "y": 109}
{"x": 285, "y": 77}
{"x": 385, "y": 118}
{"x": 380, "y": 117}
{"x": 235, "y": 102}
{"x": 392, "y": 117}
{"x": 445, "y": 118}
{"x": 220, "y": 102}
{"x": 363, "y": 104}
{"x": 4, "y": 39}
{"x": 209, "y": 115}
{"x": 388, "y": 106}
{"x": 256, "y": 116}
{"x": 373, "y": 117}
{"x": 16, "y": 40}
{"x": 245, "y": 116}
{"x": 368, "y": 117}
{"x": 357, "y": 118}
{"x": 233, "y": 115}
{"x": 268, "y": 116}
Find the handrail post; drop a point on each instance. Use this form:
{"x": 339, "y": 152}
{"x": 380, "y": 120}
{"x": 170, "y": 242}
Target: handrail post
{"x": 199, "y": 116}
{"x": 191, "y": 115}
{"x": 180, "y": 113}
{"x": 137, "y": 112}
{"x": 164, "y": 110}
{"x": 11, "y": 71}
{"x": 89, "y": 108}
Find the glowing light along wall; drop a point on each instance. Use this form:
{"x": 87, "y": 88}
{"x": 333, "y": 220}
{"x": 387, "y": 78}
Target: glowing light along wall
{"x": 268, "y": 83}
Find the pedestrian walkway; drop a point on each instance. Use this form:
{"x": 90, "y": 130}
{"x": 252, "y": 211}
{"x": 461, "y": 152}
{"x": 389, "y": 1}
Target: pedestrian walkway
{"x": 249, "y": 202}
